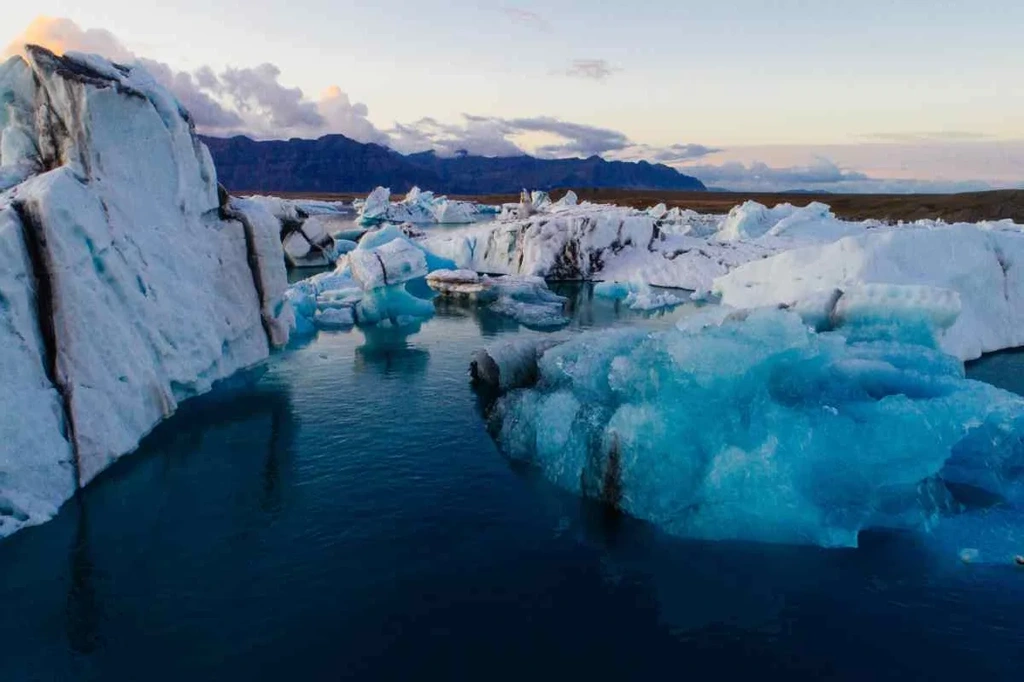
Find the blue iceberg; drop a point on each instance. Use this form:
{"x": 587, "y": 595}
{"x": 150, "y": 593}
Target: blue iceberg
{"x": 754, "y": 426}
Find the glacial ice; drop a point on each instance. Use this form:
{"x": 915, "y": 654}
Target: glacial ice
{"x": 757, "y": 256}
{"x": 637, "y": 295}
{"x": 981, "y": 263}
{"x": 128, "y": 286}
{"x": 815, "y": 436}
{"x": 526, "y": 299}
{"x": 395, "y": 262}
{"x": 418, "y": 207}
{"x": 367, "y": 287}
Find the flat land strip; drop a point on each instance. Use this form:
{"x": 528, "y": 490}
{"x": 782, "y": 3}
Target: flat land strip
{"x": 967, "y": 207}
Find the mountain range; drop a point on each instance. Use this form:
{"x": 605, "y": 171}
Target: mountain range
{"x": 335, "y": 163}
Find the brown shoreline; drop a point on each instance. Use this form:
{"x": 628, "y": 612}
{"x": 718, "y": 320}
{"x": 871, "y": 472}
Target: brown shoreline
{"x": 967, "y": 207}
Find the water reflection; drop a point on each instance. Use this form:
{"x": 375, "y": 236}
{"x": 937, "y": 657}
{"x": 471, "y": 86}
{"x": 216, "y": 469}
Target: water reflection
{"x": 387, "y": 351}
{"x": 82, "y": 613}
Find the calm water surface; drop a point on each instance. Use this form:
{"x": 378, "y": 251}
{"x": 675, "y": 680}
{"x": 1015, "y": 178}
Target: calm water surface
{"x": 342, "y": 513}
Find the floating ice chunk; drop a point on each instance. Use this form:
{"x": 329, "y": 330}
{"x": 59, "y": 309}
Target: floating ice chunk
{"x": 393, "y": 263}
{"x": 392, "y": 306}
{"x": 757, "y": 428}
{"x": 528, "y": 300}
{"x": 418, "y": 206}
{"x": 334, "y": 318}
{"x": 658, "y": 212}
{"x": 457, "y": 282}
{"x": 646, "y": 298}
{"x": 570, "y": 200}
{"x": 376, "y": 206}
{"x": 637, "y": 295}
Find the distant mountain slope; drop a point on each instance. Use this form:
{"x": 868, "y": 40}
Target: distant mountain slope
{"x": 335, "y": 163}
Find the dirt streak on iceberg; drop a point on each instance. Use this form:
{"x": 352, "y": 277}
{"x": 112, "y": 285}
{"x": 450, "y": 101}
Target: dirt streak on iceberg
{"x": 126, "y": 285}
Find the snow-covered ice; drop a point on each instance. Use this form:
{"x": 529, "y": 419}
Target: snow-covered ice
{"x": 756, "y": 427}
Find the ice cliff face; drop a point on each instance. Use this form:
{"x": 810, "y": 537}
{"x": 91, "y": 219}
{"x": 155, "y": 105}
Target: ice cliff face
{"x": 126, "y": 286}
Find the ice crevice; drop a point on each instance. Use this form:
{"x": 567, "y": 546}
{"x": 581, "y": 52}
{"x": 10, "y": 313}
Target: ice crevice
{"x": 35, "y": 245}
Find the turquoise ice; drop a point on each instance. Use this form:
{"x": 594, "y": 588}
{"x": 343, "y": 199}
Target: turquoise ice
{"x": 759, "y": 428}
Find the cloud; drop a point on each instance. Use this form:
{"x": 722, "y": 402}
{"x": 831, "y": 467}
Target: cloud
{"x": 493, "y": 136}
{"x": 671, "y": 155}
{"x": 206, "y": 111}
{"x": 247, "y": 100}
{"x": 257, "y": 95}
{"x": 525, "y": 17}
{"x": 64, "y": 35}
{"x": 822, "y": 175}
{"x": 934, "y": 136}
{"x": 591, "y": 69}
{"x": 760, "y": 175}
{"x": 339, "y": 114}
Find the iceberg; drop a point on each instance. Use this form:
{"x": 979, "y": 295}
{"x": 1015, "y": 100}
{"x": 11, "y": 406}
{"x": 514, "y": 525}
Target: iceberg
{"x": 130, "y": 283}
{"x": 983, "y": 264}
{"x": 367, "y": 287}
{"x": 395, "y": 262}
{"x": 418, "y": 207}
{"x": 751, "y": 425}
{"x": 528, "y": 300}
{"x": 569, "y": 242}
{"x": 637, "y": 295}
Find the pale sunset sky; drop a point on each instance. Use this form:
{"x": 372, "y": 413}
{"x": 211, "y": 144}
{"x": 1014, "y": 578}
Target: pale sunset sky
{"x": 774, "y": 94}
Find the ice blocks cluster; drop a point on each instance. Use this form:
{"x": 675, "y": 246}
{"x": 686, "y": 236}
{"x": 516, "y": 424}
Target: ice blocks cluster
{"x": 418, "y": 207}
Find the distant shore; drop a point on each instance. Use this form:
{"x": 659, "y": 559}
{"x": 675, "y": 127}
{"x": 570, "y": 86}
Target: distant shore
{"x": 967, "y": 207}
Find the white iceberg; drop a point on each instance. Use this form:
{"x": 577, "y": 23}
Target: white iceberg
{"x": 983, "y": 264}
{"x": 528, "y": 300}
{"x": 395, "y": 262}
{"x": 128, "y": 284}
{"x": 418, "y": 207}
{"x": 755, "y": 427}
{"x": 637, "y": 295}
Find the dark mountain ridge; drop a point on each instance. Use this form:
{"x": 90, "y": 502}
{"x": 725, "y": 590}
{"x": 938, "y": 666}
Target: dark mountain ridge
{"x": 335, "y": 163}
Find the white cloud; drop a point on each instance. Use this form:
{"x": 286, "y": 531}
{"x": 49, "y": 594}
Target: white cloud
{"x": 591, "y": 69}
{"x": 525, "y": 17}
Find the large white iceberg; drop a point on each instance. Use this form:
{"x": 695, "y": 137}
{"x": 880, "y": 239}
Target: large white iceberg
{"x": 593, "y": 242}
{"x": 753, "y": 426}
{"x": 984, "y": 264}
{"x": 128, "y": 284}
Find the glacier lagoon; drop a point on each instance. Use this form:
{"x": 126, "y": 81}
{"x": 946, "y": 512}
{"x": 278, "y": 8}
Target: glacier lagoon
{"x": 293, "y": 524}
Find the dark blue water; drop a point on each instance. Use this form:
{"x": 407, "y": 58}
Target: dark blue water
{"x": 344, "y": 514}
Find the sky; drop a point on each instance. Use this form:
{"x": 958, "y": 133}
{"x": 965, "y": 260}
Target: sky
{"x": 888, "y": 95}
